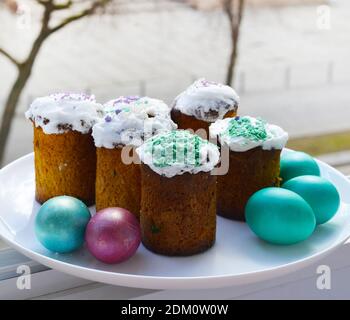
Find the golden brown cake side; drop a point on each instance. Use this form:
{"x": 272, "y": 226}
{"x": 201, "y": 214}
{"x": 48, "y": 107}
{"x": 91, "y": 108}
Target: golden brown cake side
{"x": 65, "y": 164}
{"x": 178, "y": 214}
{"x": 117, "y": 184}
{"x": 248, "y": 172}
{"x": 186, "y": 122}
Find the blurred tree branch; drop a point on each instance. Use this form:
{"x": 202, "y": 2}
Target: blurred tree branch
{"x": 25, "y": 67}
{"x": 234, "y": 11}
{"x": 89, "y": 11}
{"x": 9, "y": 56}
{"x": 60, "y": 6}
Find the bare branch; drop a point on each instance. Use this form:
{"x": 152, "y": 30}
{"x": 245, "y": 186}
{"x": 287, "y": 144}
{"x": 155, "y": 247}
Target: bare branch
{"x": 240, "y": 11}
{"x": 54, "y": 7}
{"x": 8, "y": 56}
{"x": 234, "y": 11}
{"x": 87, "y": 12}
{"x": 63, "y": 6}
{"x": 45, "y": 3}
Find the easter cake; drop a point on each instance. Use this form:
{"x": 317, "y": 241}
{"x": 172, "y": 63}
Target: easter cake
{"x": 203, "y": 103}
{"x": 127, "y": 122}
{"x": 65, "y": 156}
{"x": 162, "y": 186}
{"x": 253, "y": 161}
{"x": 178, "y": 200}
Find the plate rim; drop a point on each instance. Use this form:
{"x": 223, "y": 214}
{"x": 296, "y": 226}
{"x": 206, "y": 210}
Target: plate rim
{"x": 170, "y": 282}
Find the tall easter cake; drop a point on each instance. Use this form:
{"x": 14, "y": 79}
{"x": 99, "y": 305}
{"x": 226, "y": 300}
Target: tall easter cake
{"x": 203, "y": 103}
{"x": 127, "y": 122}
{"x": 65, "y": 157}
{"x": 178, "y": 200}
{"x": 253, "y": 162}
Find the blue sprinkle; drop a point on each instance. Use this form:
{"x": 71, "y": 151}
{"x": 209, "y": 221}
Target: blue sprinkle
{"x": 108, "y": 119}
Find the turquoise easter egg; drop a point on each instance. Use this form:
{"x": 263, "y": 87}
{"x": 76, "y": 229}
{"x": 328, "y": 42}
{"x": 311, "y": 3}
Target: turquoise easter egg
{"x": 60, "y": 224}
{"x": 295, "y": 163}
{"x": 319, "y": 193}
{"x": 279, "y": 216}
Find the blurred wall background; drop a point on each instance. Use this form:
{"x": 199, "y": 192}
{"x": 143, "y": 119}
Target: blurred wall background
{"x": 293, "y": 66}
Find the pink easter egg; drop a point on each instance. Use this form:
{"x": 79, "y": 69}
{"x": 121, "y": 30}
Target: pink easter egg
{"x": 113, "y": 235}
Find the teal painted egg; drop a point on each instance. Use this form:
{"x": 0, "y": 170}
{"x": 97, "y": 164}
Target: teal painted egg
{"x": 60, "y": 224}
{"x": 295, "y": 163}
{"x": 279, "y": 216}
{"x": 319, "y": 193}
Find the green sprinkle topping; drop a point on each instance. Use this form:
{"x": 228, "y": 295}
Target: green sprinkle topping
{"x": 244, "y": 127}
{"x": 155, "y": 229}
{"x": 141, "y": 102}
{"x": 178, "y": 147}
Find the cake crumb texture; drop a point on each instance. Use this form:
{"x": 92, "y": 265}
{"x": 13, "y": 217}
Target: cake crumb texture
{"x": 65, "y": 164}
{"x": 249, "y": 172}
{"x": 178, "y": 215}
{"x": 117, "y": 184}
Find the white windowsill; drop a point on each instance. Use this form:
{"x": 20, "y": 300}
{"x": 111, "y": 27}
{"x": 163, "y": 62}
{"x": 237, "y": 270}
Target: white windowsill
{"x": 51, "y": 284}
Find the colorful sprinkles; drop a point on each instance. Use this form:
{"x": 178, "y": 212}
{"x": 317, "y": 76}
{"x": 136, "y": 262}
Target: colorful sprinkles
{"x": 206, "y": 83}
{"x": 73, "y": 96}
{"x": 125, "y": 100}
{"x": 108, "y": 118}
{"x": 246, "y": 128}
{"x": 175, "y": 148}
{"x": 120, "y": 104}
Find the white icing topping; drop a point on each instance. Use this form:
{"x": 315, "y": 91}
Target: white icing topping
{"x": 248, "y": 133}
{"x": 207, "y": 101}
{"x": 62, "y": 112}
{"x": 120, "y": 103}
{"x": 177, "y": 152}
{"x": 131, "y": 121}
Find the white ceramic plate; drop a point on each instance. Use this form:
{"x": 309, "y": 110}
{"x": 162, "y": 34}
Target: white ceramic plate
{"x": 238, "y": 257}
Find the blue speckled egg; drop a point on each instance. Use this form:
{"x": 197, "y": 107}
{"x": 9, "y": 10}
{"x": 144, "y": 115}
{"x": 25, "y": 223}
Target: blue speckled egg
{"x": 279, "y": 216}
{"x": 295, "y": 163}
{"x": 319, "y": 193}
{"x": 60, "y": 224}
